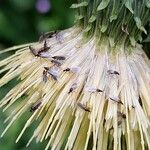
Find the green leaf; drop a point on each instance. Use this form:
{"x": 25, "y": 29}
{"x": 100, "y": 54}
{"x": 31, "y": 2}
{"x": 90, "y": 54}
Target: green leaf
{"x": 128, "y": 4}
{"x": 113, "y": 16}
{"x": 139, "y": 24}
{"x": 88, "y": 28}
{"x": 115, "y": 10}
{"x": 103, "y": 5}
{"x": 83, "y": 4}
{"x": 104, "y": 28}
{"x": 92, "y": 18}
{"x": 79, "y": 17}
{"x": 148, "y": 3}
{"x": 132, "y": 40}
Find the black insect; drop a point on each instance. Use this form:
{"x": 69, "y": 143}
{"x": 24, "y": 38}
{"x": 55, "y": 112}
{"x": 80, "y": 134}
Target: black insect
{"x": 46, "y": 68}
{"x": 47, "y": 35}
{"x": 39, "y": 52}
{"x": 35, "y": 106}
{"x": 122, "y": 115}
{"x": 113, "y": 72}
{"x": 53, "y": 71}
{"x": 84, "y": 107}
{"x": 45, "y": 76}
{"x": 66, "y": 70}
{"x": 98, "y": 90}
{"x": 54, "y": 77}
{"x": 93, "y": 90}
{"x": 8, "y": 102}
{"x": 70, "y": 90}
{"x": 116, "y": 100}
{"x": 59, "y": 57}
{"x": 73, "y": 87}
{"x": 73, "y": 69}
{"x": 56, "y": 62}
{"x": 33, "y": 51}
{"x": 140, "y": 102}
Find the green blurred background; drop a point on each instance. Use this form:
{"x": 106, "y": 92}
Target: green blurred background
{"x": 22, "y": 21}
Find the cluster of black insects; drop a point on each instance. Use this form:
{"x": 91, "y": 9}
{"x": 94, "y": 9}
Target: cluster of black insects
{"x": 57, "y": 61}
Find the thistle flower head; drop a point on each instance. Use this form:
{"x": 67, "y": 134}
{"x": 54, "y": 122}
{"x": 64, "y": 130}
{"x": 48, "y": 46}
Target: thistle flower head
{"x": 86, "y": 90}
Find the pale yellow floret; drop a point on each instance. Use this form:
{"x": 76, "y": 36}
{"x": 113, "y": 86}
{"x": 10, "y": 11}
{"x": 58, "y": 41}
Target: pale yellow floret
{"x": 112, "y": 117}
